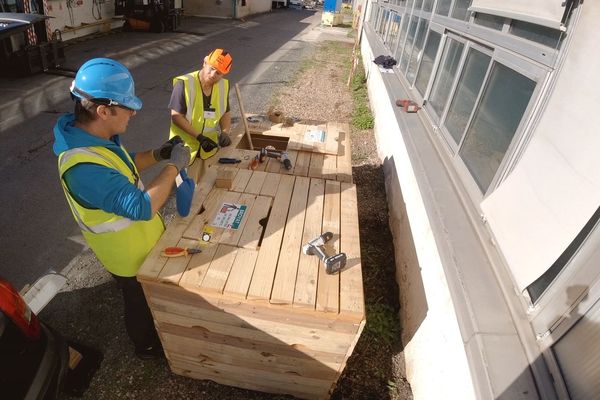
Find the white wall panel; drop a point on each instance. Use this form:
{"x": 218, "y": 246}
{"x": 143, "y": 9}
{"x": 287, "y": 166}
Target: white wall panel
{"x": 555, "y": 188}
{"x": 541, "y": 12}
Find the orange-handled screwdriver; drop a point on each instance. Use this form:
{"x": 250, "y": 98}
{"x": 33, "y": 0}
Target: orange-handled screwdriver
{"x": 179, "y": 251}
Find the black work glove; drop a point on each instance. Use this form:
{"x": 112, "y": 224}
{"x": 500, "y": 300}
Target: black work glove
{"x": 224, "y": 140}
{"x": 206, "y": 143}
{"x": 164, "y": 151}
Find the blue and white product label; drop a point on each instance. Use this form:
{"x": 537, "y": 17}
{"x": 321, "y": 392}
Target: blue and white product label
{"x": 229, "y": 216}
{"x": 315, "y": 136}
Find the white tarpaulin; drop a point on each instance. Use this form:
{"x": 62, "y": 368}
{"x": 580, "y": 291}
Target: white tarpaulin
{"x": 554, "y": 190}
{"x": 542, "y": 12}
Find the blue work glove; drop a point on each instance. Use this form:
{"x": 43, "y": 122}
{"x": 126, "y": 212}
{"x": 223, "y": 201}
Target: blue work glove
{"x": 164, "y": 151}
{"x": 184, "y": 193}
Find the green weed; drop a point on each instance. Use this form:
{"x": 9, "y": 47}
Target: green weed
{"x": 383, "y": 325}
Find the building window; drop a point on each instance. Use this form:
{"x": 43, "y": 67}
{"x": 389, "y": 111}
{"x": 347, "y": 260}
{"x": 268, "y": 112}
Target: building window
{"x": 466, "y": 93}
{"x": 410, "y": 40}
{"x": 445, "y": 76}
{"x": 536, "y": 33}
{"x": 443, "y": 7}
{"x": 428, "y": 5}
{"x": 460, "y": 10}
{"x": 392, "y": 36}
{"x": 489, "y": 21}
{"x": 502, "y": 106}
{"x": 431, "y": 49}
{"x": 417, "y": 50}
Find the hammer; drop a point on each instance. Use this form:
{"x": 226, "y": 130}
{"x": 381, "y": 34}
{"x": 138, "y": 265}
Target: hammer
{"x": 333, "y": 264}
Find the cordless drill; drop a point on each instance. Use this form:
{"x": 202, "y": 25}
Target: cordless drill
{"x": 270, "y": 152}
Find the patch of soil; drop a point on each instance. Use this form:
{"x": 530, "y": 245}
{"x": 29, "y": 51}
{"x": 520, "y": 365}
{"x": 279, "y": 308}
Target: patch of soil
{"x": 376, "y": 368}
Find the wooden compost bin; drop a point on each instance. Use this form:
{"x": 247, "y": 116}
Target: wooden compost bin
{"x": 329, "y": 159}
{"x": 252, "y": 310}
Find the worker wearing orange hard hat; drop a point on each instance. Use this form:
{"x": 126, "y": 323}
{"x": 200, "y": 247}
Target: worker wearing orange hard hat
{"x": 200, "y": 112}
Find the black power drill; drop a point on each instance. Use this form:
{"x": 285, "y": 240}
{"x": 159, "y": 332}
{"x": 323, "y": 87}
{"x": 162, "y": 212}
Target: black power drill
{"x": 270, "y": 152}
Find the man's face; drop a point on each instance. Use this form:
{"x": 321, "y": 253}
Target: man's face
{"x": 118, "y": 118}
{"x": 210, "y": 74}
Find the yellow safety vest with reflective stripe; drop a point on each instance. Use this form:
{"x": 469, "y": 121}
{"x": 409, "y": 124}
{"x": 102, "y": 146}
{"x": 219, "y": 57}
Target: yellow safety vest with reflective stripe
{"x": 209, "y": 127}
{"x": 119, "y": 243}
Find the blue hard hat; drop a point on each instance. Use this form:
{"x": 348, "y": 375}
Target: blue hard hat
{"x": 106, "y": 79}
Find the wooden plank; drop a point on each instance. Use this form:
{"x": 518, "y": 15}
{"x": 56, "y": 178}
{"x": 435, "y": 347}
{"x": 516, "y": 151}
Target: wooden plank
{"x": 154, "y": 263}
{"x": 213, "y": 200}
{"x": 250, "y": 358}
{"x": 344, "y": 161}
{"x": 256, "y": 182}
{"x": 262, "y": 280}
{"x": 199, "y": 265}
{"x": 316, "y": 166}
{"x": 324, "y": 346}
{"x": 332, "y": 140}
{"x": 328, "y": 290}
{"x": 306, "y": 283}
{"x": 352, "y": 301}
{"x": 253, "y": 229}
{"x": 232, "y": 236}
{"x": 330, "y": 167}
{"x": 274, "y": 165}
{"x": 269, "y": 187}
{"x": 241, "y": 273}
{"x": 175, "y": 266}
{"x": 194, "y": 304}
{"x": 287, "y": 266}
{"x": 248, "y": 378}
{"x": 302, "y": 163}
{"x": 218, "y": 271}
{"x": 196, "y": 269}
{"x": 241, "y": 180}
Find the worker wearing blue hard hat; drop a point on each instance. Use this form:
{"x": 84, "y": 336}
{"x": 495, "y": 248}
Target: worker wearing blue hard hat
{"x": 117, "y": 214}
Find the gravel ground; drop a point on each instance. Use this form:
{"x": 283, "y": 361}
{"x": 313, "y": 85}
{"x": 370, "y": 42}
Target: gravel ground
{"x": 89, "y": 310}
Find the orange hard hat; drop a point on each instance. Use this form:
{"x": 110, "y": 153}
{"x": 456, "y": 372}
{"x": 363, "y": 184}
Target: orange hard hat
{"x": 221, "y": 60}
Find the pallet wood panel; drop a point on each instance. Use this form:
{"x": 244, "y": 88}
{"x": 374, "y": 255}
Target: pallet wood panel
{"x": 287, "y": 267}
{"x": 306, "y": 284}
{"x": 330, "y": 159}
{"x": 251, "y": 308}
{"x": 262, "y": 281}
{"x": 329, "y": 285}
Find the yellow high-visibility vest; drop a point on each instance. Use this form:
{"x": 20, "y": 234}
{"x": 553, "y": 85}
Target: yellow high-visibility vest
{"x": 120, "y": 244}
{"x": 195, "y": 113}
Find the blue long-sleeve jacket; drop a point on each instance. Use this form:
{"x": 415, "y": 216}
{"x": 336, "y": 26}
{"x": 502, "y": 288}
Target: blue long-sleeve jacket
{"x": 97, "y": 186}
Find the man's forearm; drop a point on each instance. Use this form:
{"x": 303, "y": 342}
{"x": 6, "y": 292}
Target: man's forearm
{"x": 144, "y": 160}
{"x": 225, "y": 122}
{"x": 182, "y": 123}
{"x": 160, "y": 188}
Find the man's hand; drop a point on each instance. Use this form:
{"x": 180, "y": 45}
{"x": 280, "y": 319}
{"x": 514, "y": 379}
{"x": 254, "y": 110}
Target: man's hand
{"x": 164, "y": 151}
{"x": 180, "y": 156}
{"x": 206, "y": 143}
{"x": 224, "y": 139}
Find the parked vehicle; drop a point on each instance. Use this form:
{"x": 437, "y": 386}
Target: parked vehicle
{"x": 37, "y": 361}
{"x": 34, "y": 356}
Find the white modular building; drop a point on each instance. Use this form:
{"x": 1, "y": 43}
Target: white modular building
{"x": 494, "y": 191}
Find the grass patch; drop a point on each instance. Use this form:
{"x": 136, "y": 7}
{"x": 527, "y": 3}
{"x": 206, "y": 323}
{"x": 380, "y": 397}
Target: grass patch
{"x": 362, "y": 117}
{"x": 383, "y": 325}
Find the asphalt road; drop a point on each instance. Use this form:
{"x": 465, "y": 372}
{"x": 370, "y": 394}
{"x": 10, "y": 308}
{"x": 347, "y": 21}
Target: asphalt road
{"x": 37, "y": 230}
